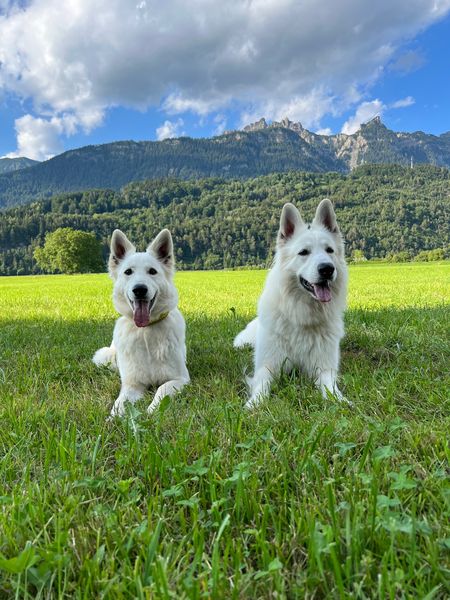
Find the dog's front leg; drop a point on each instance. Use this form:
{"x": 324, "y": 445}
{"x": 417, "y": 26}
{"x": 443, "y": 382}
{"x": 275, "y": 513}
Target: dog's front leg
{"x": 260, "y": 386}
{"x": 167, "y": 389}
{"x": 128, "y": 393}
{"x": 326, "y": 382}
{"x": 268, "y": 362}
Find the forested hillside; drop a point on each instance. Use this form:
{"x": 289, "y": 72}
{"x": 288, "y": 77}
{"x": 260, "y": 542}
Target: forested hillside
{"x": 15, "y": 164}
{"x": 260, "y": 149}
{"x": 238, "y": 154}
{"x": 220, "y": 223}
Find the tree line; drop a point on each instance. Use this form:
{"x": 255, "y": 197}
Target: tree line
{"x": 383, "y": 210}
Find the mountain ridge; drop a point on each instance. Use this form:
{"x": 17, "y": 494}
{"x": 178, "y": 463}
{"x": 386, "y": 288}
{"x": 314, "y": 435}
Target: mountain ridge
{"x": 258, "y": 149}
{"x": 15, "y": 164}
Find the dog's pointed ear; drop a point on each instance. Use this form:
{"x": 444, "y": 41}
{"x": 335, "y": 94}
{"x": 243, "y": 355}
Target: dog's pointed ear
{"x": 162, "y": 248}
{"x": 120, "y": 246}
{"x": 290, "y": 222}
{"x": 326, "y": 216}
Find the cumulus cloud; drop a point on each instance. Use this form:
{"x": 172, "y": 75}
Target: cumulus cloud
{"x": 368, "y": 110}
{"x": 307, "y": 108}
{"x": 169, "y": 129}
{"x": 364, "y": 112}
{"x": 221, "y": 123}
{"x": 4, "y": 6}
{"x": 39, "y": 138}
{"x": 324, "y": 131}
{"x": 176, "y": 103}
{"x": 81, "y": 58}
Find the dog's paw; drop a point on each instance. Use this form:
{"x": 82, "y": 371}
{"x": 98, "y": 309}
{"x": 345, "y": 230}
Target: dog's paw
{"x": 118, "y": 409}
{"x": 345, "y": 401}
{"x": 154, "y": 404}
{"x": 336, "y": 394}
{"x": 240, "y": 341}
{"x": 151, "y": 408}
{"x": 252, "y": 404}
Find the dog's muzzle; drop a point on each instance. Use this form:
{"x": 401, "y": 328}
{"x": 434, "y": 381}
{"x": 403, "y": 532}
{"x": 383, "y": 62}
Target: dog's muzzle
{"x": 319, "y": 291}
{"x": 142, "y": 306}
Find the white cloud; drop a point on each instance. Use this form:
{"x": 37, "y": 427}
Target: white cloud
{"x": 5, "y": 5}
{"x": 169, "y": 129}
{"x": 221, "y": 123}
{"x": 408, "y": 101}
{"x": 299, "y": 59}
{"x": 364, "y": 112}
{"x": 369, "y": 110}
{"x": 39, "y": 138}
{"x": 175, "y": 104}
{"x": 308, "y": 109}
{"x": 324, "y": 131}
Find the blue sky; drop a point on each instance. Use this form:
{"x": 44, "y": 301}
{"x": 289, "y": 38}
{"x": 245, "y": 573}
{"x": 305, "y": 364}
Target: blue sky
{"x": 95, "y": 71}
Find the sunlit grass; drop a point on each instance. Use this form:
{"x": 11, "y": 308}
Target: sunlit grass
{"x": 304, "y": 499}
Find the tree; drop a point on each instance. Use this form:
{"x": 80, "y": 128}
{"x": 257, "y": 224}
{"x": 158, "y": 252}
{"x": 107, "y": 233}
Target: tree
{"x": 358, "y": 256}
{"x": 69, "y": 250}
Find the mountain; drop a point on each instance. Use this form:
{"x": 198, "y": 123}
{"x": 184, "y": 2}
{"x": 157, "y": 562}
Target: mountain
{"x": 373, "y": 143}
{"x": 259, "y": 149}
{"x": 15, "y": 164}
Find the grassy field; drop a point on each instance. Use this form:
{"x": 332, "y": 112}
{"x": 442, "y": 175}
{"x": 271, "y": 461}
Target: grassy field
{"x": 304, "y": 499}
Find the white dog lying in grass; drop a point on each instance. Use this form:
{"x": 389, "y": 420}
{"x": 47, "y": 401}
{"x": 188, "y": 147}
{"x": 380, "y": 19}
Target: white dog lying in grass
{"x": 300, "y": 312}
{"x": 148, "y": 344}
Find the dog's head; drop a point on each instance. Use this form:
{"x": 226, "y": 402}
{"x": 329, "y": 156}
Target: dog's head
{"x": 142, "y": 280}
{"x": 313, "y": 253}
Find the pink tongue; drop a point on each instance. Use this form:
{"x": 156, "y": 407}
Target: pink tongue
{"x": 323, "y": 293}
{"x": 141, "y": 313}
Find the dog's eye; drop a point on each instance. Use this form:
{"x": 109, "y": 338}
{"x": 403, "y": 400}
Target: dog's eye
{"x": 128, "y": 271}
{"x": 152, "y": 271}
{"x": 330, "y": 250}
{"x": 304, "y": 252}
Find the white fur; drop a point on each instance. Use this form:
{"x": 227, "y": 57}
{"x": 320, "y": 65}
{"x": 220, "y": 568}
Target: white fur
{"x": 105, "y": 356}
{"x": 293, "y": 328}
{"x": 153, "y": 355}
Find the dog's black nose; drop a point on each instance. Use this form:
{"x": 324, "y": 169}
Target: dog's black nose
{"x": 140, "y": 291}
{"x": 326, "y": 270}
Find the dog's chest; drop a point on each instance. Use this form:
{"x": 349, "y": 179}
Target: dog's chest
{"x": 299, "y": 337}
{"x": 147, "y": 354}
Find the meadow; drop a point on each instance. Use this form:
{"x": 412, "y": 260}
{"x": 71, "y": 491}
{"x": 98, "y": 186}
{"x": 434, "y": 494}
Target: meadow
{"x": 305, "y": 498}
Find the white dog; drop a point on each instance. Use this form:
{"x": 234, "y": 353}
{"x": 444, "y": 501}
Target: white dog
{"x": 149, "y": 338}
{"x": 300, "y": 312}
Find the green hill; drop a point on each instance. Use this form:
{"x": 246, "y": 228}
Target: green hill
{"x": 221, "y": 223}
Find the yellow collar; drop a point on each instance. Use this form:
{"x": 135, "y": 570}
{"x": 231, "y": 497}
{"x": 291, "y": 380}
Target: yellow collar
{"x": 161, "y": 317}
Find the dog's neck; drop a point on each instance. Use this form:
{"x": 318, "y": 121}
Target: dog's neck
{"x": 161, "y": 317}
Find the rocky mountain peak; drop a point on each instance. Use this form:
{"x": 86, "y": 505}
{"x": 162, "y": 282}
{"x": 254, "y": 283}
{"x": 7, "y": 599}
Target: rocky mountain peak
{"x": 285, "y": 123}
{"x": 374, "y": 123}
{"x": 257, "y": 126}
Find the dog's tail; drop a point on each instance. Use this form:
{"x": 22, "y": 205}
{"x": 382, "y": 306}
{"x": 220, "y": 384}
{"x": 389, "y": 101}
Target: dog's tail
{"x": 105, "y": 356}
{"x": 247, "y": 335}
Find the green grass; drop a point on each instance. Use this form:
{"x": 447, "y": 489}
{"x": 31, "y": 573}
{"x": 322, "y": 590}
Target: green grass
{"x": 304, "y": 499}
